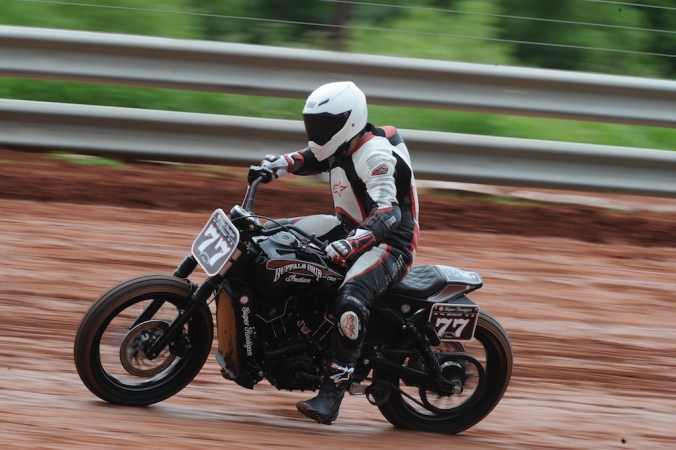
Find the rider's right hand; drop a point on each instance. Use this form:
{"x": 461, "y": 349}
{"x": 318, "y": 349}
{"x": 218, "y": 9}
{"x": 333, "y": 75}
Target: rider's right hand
{"x": 259, "y": 172}
{"x": 278, "y": 164}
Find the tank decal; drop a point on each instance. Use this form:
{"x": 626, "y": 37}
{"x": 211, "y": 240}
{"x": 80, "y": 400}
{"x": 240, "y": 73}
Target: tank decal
{"x": 297, "y": 271}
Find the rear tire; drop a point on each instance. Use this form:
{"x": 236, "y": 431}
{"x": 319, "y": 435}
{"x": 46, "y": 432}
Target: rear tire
{"x": 108, "y": 351}
{"x": 497, "y": 362}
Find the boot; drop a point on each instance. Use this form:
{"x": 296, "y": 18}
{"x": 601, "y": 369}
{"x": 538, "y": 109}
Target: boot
{"x": 324, "y": 407}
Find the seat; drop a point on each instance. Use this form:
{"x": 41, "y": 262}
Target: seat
{"x": 426, "y": 280}
{"x": 421, "y": 282}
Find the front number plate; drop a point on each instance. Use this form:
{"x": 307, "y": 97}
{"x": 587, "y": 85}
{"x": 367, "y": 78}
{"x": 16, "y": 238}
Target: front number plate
{"x": 216, "y": 243}
{"x": 454, "y": 322}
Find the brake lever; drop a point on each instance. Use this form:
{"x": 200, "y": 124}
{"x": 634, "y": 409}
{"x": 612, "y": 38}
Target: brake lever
{"x": 321, "y": 245}
{"x": 312, "y": 239}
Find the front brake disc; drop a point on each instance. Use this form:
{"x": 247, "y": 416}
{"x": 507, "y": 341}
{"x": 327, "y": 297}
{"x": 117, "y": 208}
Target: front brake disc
{"x": 132, "y": 351}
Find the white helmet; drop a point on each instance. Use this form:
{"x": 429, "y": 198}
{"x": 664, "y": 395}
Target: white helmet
{"x": 334, "y": 113}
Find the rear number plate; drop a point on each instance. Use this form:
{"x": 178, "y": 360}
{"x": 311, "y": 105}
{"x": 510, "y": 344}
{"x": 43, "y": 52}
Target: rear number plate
{"x": 454, "y": 322}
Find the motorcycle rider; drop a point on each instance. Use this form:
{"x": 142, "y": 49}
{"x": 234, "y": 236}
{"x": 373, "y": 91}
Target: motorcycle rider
{"x": 375, "y": 230}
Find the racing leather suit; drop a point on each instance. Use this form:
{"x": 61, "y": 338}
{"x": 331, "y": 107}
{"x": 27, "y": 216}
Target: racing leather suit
{"x": 375, "y": 198}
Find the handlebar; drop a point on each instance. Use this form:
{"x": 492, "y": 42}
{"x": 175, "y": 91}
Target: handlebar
{"x": 262, "y": 174}
{"x": 256, "y": 176}
{"x": 310, "y": 237}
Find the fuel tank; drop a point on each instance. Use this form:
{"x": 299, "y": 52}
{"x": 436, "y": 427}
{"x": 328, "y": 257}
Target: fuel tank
{"x": 285, "y": 265}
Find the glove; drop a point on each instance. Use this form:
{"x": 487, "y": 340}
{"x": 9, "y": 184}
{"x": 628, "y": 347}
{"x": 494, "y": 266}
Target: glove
{"x": 346, "y": 250}
{"x": 279, "y": 165}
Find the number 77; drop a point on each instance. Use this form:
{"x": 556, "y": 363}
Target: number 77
{"x": 457, "y": 325}
{"x": 211, "y": 234}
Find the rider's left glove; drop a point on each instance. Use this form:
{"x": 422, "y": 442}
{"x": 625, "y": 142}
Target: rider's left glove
{"x": 346, "y": 250}
{"x": 279, "y": 165}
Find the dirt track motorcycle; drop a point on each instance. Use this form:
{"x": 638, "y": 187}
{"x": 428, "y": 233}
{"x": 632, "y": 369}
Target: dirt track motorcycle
{"x": 431, "y": 359}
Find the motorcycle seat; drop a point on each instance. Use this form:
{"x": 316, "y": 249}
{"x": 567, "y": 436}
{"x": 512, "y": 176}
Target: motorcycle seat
{"x": 427, "y": 280}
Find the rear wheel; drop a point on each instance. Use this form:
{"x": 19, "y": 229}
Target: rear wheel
{"x": 109, "y": 345}
{"x": 480, "y": 370}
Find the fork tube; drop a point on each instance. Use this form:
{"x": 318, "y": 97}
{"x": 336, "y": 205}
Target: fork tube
{"x": 182, "y": 271}
{"x": 198, "y": 298}
{"x": 186, "y": 267}
{"x": 148, "y": 313}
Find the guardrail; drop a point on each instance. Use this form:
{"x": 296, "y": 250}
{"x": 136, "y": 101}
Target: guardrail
{"x": 275, "y": 71}
{"x": 207, "y": 138}
{"x": 272, "y": 71}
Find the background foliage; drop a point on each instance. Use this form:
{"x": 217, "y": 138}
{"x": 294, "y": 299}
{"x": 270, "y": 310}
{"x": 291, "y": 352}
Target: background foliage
{"x": 577, "y": 35}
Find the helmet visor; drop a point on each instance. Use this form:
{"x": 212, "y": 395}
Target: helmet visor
{"x": 320, "y": 128}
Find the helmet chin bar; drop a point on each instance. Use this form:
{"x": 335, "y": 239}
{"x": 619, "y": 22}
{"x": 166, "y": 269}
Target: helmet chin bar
{"x": 321, "y": 152}
{"x": 342, "y": 148}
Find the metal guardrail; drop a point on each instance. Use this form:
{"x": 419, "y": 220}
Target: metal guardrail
{"x": 271, "y": 71}
{"x": 274, "y": 71}
{"x": 175, "y": 136}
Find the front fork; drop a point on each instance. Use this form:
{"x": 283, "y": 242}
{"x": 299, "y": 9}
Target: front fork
{"x": 197, "y": 298}
{"x": 183, "y": 271}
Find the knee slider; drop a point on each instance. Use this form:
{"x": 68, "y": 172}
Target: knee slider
{"x": 352, "y": 318}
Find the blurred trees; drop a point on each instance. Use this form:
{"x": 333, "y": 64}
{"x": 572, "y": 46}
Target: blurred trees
{"x": 579, "y": 35}
{"x": 120, "y": 16}
{"x": 568, "y": 34}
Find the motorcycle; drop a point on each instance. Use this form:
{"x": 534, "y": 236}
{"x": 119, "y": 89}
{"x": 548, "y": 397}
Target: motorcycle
{"x": 432, "y": 360}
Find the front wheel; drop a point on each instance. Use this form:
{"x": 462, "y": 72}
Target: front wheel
{"x": 110, "y": 342}
{"x": 480, "y": 368}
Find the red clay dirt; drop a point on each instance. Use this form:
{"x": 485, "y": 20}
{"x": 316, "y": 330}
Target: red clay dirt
{"x": 586, "y": 294}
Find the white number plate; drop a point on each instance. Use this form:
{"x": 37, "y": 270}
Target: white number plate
{"x": 454, "y": 322}
{"x": 216, "y": 243}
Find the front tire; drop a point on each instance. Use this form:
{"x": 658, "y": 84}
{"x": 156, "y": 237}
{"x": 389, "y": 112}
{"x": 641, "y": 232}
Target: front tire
{"x": 108, "y": 350}
{"x": 491, "y": 361}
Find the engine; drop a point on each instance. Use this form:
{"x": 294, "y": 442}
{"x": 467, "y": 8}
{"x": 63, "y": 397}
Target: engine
{"x": 294, "y": 287}
{"x": 295, "y": 331}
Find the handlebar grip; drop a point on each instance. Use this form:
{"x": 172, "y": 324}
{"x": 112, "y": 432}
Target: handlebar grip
{"x": 261, "y": 174}
{"x": 256, "y": 175}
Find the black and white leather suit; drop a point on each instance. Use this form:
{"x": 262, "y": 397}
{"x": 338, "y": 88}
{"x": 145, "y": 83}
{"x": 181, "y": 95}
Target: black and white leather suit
{"x": 376, "y": 208}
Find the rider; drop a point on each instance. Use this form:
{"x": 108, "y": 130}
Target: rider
{"x": 375, "y": 230}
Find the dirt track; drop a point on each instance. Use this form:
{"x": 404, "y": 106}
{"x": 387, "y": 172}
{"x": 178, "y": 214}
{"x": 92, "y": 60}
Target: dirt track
{"x": 587, "y": 296}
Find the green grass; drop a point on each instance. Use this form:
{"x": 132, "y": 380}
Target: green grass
{"x": 526, "y": 127}
{"x": 457, "y": 195}
{"x": 280, "y": 108}
{"x": 86, "y": 160}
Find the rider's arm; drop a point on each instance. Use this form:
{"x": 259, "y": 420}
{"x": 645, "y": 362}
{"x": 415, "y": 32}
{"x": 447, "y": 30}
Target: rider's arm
{"x": 305, "y": 163}
{"x": 302, "y": 162}
{"x": 378, "y": 174}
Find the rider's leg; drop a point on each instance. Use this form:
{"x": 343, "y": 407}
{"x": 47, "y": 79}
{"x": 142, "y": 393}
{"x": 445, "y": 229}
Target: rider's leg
{"x": 367, "y": 279}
